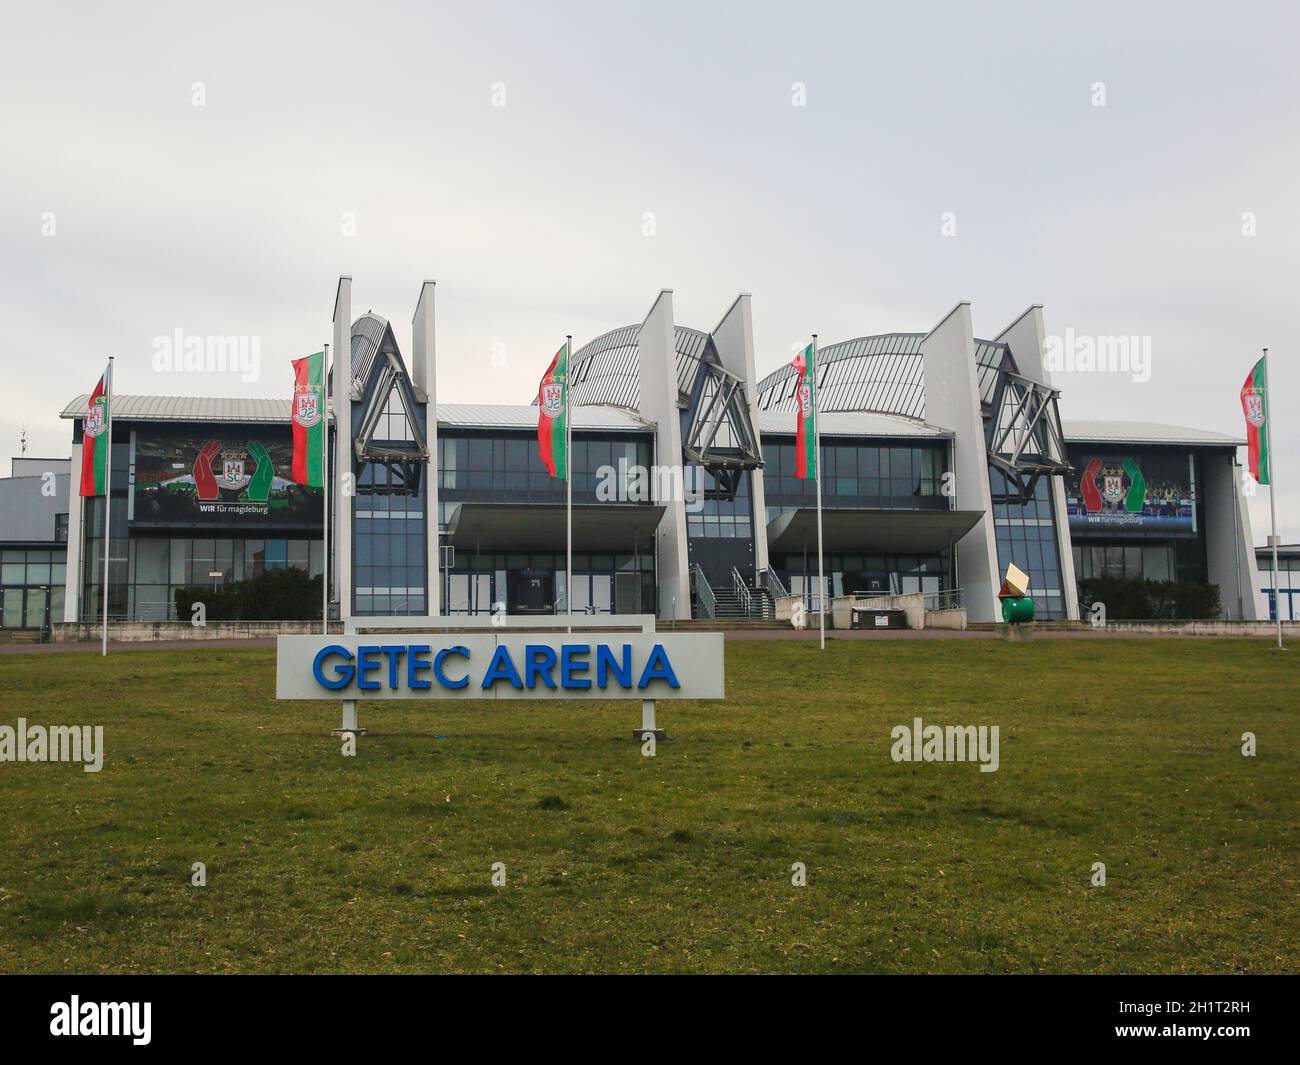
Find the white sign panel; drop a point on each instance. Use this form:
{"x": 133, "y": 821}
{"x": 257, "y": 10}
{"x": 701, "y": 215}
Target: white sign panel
{"x": 501, "y": 666}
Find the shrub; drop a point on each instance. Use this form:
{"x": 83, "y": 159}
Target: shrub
{"x": 1129, "y": 599}
{"x": 276, "y": 595}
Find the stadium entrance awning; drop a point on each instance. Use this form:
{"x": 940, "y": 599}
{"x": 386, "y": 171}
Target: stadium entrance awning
{"x": 908, "y": 532}
{"x": 621, "y": 527}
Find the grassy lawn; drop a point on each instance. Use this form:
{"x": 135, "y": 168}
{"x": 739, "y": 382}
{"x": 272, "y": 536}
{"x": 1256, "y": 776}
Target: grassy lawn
{"x": 1126, "y": 752}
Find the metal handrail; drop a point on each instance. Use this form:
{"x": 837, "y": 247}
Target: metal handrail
{"x": 772, "y": 581}
{"x": 744, "y": 594}
{"x": 947, "y": 599}
{"x": 704, "y": 594}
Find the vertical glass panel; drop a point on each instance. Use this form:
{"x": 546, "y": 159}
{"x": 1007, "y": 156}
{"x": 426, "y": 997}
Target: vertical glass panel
{"x": 13, "y": 608}
{"x": 34, "y": 615}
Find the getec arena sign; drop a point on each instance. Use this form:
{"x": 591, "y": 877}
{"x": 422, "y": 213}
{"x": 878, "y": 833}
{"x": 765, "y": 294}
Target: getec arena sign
{"x": 443, "y": 666}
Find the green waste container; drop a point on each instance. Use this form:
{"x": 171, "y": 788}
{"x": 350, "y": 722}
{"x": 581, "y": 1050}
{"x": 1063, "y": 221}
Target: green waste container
{"x": 1015, "y": 610}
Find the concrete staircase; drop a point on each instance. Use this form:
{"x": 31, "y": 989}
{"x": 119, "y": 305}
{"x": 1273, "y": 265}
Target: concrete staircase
{"x": 729, "y": 606}
{"x": 741, "y": 624}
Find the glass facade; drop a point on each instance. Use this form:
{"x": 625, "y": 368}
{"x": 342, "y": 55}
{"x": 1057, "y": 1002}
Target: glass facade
{"x": 534, "y": 583}
{"x": 1150, "y": 562}
{"x": 866, "y": 475}
{"x": 389, "y": 556}
{"x": 1284, "y": 592}
{"x": 389, "y": 520}
{"x": 720, "y": 518}
{"x": 860, "y": 475}
{"x": 1026, "y": 535}
{"x": 145, "y": 579}
{"x": 866, "y": 574}
{"x": 146, "y": 567}
{"x": 505, "y": 467}
{"x": 1157, "y": 534}
{"x": 31, "y": 587}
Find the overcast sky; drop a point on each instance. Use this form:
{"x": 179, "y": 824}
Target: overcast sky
{"x": 199, "y": 167}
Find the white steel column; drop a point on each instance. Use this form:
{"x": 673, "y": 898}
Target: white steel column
{"x": 424, "y": 374}
{"x": 952, "y": 400}
{"x": 657, "y": 366}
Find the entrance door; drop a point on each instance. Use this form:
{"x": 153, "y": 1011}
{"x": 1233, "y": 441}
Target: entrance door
{"x": 532, "y": 591}
{"x": 11, "y": 611}
{"x": 38, "y": 601}
{"x": 718, "y": 557}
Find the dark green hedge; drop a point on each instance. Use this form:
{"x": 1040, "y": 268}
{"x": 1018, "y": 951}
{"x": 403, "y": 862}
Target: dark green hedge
{"x": 1128, "y": 599}
{"x": 277, "y": 595}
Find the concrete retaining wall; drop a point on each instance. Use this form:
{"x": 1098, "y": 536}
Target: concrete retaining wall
{"x": 1290, "y": 629}
{"x": 143, "y": 631}
{"x": 951, "y": 618}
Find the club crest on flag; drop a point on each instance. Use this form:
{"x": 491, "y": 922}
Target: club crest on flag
{"x": 552, "y": 398}
{"x": 805, "y": 399}
{"x": 306, "y": 408}
{"x": 1254, "y": 407}
{"x": 95, "y": 423}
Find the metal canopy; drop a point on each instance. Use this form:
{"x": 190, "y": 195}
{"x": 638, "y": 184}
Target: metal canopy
{"x": 1024, "y": 435}
{"x": 541, "y": 526}
{"x": 861, "y": 530}
{"x": 720, "y": 433}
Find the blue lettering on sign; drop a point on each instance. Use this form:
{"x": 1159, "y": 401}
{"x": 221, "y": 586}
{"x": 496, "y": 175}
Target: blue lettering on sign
{"x": 367, "y": 664}
{"x": 501, "y": 668}
{"x": 336, "y": 667}
{"x": 416, "y": 663}
{"x": 605, "y": 661}
{"x": 569, "y": 666}
{"x": 533, "y": 668}
{"x": 658, "y": 668}
{"x": 442, "y": 655}
{"x": 343, "y": 672}
{"x": 394, "y": 653}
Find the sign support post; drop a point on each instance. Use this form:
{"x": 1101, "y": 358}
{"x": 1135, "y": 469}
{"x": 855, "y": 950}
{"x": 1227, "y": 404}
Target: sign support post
{"x": 349, "y": 726}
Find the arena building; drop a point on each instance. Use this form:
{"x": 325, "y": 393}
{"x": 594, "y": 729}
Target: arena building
{"x": 944, "y": 459}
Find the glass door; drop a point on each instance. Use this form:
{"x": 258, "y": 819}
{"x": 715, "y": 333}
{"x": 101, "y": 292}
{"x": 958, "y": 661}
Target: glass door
{"x": 34, "y": 614}
{"x": 11, "y": 610}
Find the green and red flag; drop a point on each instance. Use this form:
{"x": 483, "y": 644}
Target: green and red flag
{"x": 309, "y": 420}
{"x": 1254, "y": 405}
{"x": 805, "y": 442}
{"x": 552, "y": 416}
{"x": 94, "y": 442}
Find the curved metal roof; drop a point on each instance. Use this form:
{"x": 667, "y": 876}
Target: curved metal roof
{"x": 367, "y": 334}
{"x": 883, "y": 373}
{"x": 878, "y": 373}
{"x": 605, "y": 371}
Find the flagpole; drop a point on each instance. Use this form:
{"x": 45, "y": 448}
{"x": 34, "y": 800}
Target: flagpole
{"x": 108, "y": 492}
{"x": 568, "y": 481}
{"x": 1272, "y": 502}
{"x": 325, "y": 494}
{"x": 817, "y": 459}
